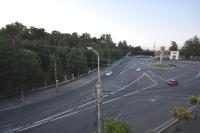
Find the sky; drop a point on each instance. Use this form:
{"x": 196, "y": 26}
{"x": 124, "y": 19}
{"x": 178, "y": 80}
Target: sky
{"x": 139, "y": 22}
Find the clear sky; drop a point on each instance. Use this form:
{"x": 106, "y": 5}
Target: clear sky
{"x": 139, "y": 22}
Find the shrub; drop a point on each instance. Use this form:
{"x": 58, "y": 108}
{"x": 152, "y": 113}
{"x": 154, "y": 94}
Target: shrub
{"x": 116, "y": 126}
{"x": 180, "y": 113}
{"x": 192, "y": 99}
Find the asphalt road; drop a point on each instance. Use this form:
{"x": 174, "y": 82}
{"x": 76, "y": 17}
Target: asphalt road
{"x": 143, "y": 99}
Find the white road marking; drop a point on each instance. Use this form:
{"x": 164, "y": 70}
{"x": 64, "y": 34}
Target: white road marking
{"x": 157, "y": 75}
{"x": 152, "y": 100}
{"x": 86, "y": 104}
{"x": 60, "y": 115}
{"x": 181, "y": 75}
{"x": 120, "y": 113}
{"x": 5, "y": 109}
{"x": 73, "y": 113}
{"x": 5, "y": 122}
{"x": 127, "y": 68}
{"x": 13, "y": 130}
{"x": 196, "y": 76}
{"x": 6, "y": 125}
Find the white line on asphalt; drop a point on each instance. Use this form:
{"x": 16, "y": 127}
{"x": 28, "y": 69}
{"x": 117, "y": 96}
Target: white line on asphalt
{"x": 157, "y": 75}
{"x": 151, "y": 78}
{"x": 120, "y": 113}
{"x": 31, "y": 126}
{"x": 86, "y": 104}
{"x": 6, "y": 122}
{"x": 5, "y": 109}
{"x": 51, "y": 117}
{"x": 73, "y": 113}
{"x": 128, "y": 69}
{"x": 164, "y": 124}
{"x": 13, "y": 130}
{"x": 125, "y": 68}
{"x": 181, "y": 75}
{"x": 196, "y": 76}
{"x": 127, "y": 85}
{"x": 114, "y": 99}
{"x": 54, "y": 117}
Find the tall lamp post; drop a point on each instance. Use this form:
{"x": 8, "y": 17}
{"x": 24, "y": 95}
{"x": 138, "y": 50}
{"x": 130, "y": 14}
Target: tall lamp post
{"x": 98, "y": 95}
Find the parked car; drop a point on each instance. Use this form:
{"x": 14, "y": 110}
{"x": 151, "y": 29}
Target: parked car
{"x": 108, "y": 73}
{"x": 172, "y": 82}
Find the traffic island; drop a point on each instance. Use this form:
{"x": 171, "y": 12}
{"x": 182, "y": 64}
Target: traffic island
{"x": 163, "y": 66}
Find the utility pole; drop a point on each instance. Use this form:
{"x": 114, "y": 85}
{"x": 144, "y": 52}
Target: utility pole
{"x": 98, "y": 95}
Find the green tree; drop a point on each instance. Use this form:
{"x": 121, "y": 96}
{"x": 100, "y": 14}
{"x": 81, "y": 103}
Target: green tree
{"x": 191, "y": 48}
{"x": 23, "y": 71}
{"x": 116, "y": 126}
{"x": 173, "y": 46}
{"x": 27, "y": 56}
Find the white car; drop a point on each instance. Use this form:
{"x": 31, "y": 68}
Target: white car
{"x": 108, "y": 73}
{"x": 138, "y": 69}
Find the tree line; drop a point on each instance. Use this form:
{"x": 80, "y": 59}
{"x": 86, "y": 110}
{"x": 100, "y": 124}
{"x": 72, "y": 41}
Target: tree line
{"x": 30, "y": 57}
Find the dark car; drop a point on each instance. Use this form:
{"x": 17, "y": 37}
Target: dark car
{"x": 172, "y": 82}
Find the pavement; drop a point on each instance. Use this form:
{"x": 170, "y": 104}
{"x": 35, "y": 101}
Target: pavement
{"x": 142, "y": 99}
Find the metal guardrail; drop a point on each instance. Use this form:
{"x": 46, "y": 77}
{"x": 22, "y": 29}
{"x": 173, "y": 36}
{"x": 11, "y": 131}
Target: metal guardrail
{"x": 170, "y": 122}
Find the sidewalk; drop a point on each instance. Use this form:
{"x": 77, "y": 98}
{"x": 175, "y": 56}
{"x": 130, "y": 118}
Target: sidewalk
{"x": 192, "y": 126}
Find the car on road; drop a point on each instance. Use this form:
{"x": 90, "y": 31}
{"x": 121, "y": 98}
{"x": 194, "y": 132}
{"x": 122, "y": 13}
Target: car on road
{"x": 108, "y": 73}
{"x": 138, "y": 69}
{"x": 172, "y": 82}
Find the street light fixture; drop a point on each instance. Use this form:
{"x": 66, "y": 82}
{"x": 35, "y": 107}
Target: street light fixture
{"x": 98, "y": 95}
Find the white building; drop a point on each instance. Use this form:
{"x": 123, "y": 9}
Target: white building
{"x": 174, "y": 55}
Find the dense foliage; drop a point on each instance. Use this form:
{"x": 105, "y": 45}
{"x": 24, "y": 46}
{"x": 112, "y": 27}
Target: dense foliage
{"x": 191, "y": 49}
{"x": 116, "y": 126}
{"x": 180, "y": 113}
{"x": 29, "y": 56}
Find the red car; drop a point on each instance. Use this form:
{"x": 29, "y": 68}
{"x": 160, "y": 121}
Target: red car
{"x": 172, "y": 82}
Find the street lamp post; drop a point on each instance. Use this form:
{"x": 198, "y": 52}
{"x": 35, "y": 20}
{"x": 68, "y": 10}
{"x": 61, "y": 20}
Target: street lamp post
{"x": 98, "y": 95}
